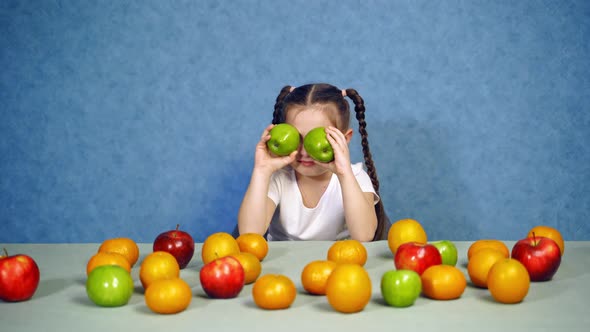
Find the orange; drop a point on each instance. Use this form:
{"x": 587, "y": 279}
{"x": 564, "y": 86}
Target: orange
{"x": 168, "y": 296}
{"x": 251, "y": 264}
{"x": 550, "y": 232}
{"x": 107, "y": 258}
{"x": 488, "y": 243}
{"x": 274, "y": 291}
{"x": 157, "y": 266}
{"x": 480, "y": 264}
{"x": 443, "y": 282}
{"x": 348, "y": 251}
{"x": 218, "y": 245}
{"x": 508, "y": 281}
{"x": 348, "y": 289}
{"x": 253, "y": 243}
{"x": 405, "y": 230}
{"x": 122, "y": 245}
{"x": 314, "y": 276}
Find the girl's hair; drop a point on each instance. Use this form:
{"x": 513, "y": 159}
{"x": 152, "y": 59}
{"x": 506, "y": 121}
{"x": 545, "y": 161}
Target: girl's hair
{"x": 324, "y": 96}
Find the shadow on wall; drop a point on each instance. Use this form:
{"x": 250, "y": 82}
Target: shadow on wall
{"x": 420, "y": 180}
{"x": 227, "y": 185}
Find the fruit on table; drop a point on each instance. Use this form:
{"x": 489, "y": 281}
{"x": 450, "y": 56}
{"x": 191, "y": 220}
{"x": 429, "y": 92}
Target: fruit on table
{"x": 178, "y": 243}
{"x": 403, "y": 231}
{"x": 273, "y": 292}
{"x": 284, "y": 139}
{"x": 222, "y": 278}
{"x": 488, "y": 243}
{"x": 400, "y": 288}
{"x": 251, "y": 265}
{"x": 480, "y": 264}
{"x": 123, "y": 246}
{"x": 157, "y": 266}
{"x": 314, "y": 276}
{"x": 107, "y": 258}
{"x": 253, "y": 243}
{"x": 508, "y": 281}
{"x": 416, "y": 256}
{"x": 448, "y": 252}
{"x": 218, "y": 245}
{"x": 318, "y": 147}
{"x": 168, "y": 296}
{"x": 443, "y": 282}
{"x": 109, "y": 286}
{"x": 348, "y": 289}
{"x": 19, "y": 277}
{"x": 348, "y": 251}
{"x": 550, "y": 232}
{"x": 541, "y": 256}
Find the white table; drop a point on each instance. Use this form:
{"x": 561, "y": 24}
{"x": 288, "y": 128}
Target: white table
{"x": 61, "y": 304}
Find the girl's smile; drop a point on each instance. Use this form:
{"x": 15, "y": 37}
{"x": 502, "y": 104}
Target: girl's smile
{"x": 306, "y": 163}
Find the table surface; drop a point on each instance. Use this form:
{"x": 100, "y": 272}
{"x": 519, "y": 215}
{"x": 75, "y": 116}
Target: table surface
{"x": 61, "y": 304}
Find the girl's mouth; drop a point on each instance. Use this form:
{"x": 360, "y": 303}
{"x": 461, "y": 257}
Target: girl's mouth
{"x": 307, "y": 163}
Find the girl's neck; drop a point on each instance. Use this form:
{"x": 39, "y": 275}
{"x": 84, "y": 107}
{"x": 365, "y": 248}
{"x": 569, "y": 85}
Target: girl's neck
{"x": 322, "y": 178}
{"x": 312, "y": 188}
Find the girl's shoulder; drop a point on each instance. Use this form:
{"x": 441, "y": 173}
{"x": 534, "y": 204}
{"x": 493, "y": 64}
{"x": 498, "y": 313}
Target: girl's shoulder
{"x": 358, "y": 168}
{"x": 284, "y": 173}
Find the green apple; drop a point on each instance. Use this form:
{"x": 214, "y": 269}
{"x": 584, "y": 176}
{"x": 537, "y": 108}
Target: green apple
{"x": 284, "y": 139}
{"x": 109, "y": 286}
{"x": 448, "y": 252}
{"x": 400, "y": 288}
{"x": 317, "y": 146}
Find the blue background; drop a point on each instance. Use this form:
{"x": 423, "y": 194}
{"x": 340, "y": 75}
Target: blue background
{"x": 124, "y": 118}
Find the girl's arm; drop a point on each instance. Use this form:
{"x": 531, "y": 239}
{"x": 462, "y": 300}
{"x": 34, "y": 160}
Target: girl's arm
{"x": 359, "y": 208}
{"x": 257, "y": 208}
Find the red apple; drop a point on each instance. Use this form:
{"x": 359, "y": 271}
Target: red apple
{"x": 222, "y": 278}
{"x": 416, "y": 256}
{"x": 19, "y": 277}
{"x": 541, "y": 256}
{"x": 178, "y": 243}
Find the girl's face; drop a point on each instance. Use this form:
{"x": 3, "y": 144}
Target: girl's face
{"x": 305, "y": 120}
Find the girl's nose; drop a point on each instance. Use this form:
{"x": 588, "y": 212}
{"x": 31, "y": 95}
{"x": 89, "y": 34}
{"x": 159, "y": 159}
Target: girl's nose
{"x": 301, "y": 151}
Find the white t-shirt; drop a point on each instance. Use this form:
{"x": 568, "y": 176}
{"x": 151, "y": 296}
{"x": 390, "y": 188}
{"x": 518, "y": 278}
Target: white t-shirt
{"x": 294, "y": 221}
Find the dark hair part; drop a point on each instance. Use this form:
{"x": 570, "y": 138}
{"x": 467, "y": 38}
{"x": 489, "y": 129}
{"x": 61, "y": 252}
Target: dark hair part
{"x": 323, "y": 94}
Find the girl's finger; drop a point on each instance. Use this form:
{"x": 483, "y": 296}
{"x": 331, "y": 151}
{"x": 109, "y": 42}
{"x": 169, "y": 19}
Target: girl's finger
{"x": 267, "y": 130}
{"x": 336, "y": 136}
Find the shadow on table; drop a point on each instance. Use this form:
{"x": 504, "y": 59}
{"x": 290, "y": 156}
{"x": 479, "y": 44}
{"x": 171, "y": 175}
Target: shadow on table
{"x": 275, "y": 253}
{"x": 51, "y": 286}
{"x": 82, "y": 299}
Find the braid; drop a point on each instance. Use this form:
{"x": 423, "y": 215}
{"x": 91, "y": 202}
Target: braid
{"x": 359, "y": 109}
{"x": 277, "y": 115}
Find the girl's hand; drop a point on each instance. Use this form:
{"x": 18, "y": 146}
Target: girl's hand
{"x": 341, "y": 162}
{"x": 264, "y": 160}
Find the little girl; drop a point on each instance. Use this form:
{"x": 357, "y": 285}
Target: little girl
{"x": 315, "y": 201}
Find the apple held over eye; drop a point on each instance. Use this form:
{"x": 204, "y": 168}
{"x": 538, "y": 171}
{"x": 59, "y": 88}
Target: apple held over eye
{"x": 109, "y": 286}
{"x": 178, "y": 243}
{"x": 448, "y": 252}
{"x": 222, "y": 278}
{"x": 19, "y": 277}
{"x": 416, "y": 256}
{"x": 541, "y": 256}
{"x": 400, "y": 288}
{"x": 317, "y": 146}
{"x": 284, "y": 139}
